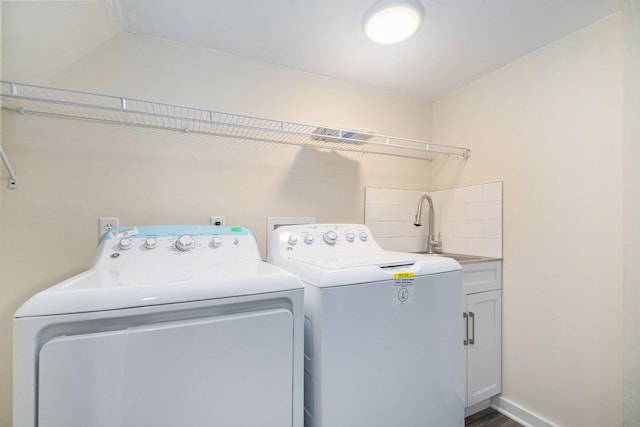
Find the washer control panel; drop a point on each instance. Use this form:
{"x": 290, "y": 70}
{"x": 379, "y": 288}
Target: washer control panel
{"x": 322, "y": 240}
{"x": 154, "y": 245}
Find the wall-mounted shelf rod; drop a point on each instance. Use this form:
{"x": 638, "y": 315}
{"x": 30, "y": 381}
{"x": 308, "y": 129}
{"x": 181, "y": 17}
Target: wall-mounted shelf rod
{"x": 13, "y": 180}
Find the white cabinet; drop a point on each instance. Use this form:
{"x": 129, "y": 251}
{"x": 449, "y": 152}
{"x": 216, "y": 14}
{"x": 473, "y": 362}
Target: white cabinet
{"x": 482, "y": 288}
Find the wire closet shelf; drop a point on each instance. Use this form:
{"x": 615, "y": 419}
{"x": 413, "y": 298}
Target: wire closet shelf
{"x": 27, "y": 98}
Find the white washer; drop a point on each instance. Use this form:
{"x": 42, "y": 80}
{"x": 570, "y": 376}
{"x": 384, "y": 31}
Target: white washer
{"x": 171, "y": 326}
{"x": 383, "y": 329}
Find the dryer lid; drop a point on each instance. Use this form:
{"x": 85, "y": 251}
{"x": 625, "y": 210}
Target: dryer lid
{"x": 101, "y": 289}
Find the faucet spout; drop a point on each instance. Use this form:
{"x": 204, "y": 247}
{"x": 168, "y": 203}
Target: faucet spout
{"x": 433, "y": 245}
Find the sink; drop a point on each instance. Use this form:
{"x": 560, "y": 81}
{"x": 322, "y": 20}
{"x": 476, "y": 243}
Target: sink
{"x": 460, "y": 257}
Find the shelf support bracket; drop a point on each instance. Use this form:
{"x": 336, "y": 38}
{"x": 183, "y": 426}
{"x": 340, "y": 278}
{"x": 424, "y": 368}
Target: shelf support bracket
{"x": 13, "y": 180}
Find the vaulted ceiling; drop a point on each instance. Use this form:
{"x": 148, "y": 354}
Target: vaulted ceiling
{"x": 459, "y": 41}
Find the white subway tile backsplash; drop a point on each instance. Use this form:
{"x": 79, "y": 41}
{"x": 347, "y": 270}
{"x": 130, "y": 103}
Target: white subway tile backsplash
{"x": 471, "y": 194}
{"x": 402, "y": 244}
{"x": 492, "y": 229}
{"x": 415, "y": 244}
{"x": 469, "y": 219}
{"x": 375, "y": 196}
{"x": 396, "y": 197}
{"x": 485, "y": 210}
{"x": 383, "y": 230}
{"x": 384, "y": 196}
{"x": 455, "y": 212}
{"x": 396, "y": 244}
{"x": 403, "y": 213}
{"x": 445, "y": 228}
{"x": 492, "y": 192}
{"x": 411, "y": 197}
{"x": 456, "y": 245}
{"x": 401, "y": 229}
{"x": 493, "y": 210}
{"x": 468, "y": 229}
{"x": 442, "y": 197}
{"x": 485, "y": 247}
{"x": 476, "y": 210}
{"x": 376, "y": 228}
{"x": 384, "y": 242}
{"x": 378, "y": 213}
{"x": 437, "y": 209}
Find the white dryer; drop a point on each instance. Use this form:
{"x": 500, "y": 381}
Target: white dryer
{"x": 171, "y": 326}
{"x": 383, "y": 329}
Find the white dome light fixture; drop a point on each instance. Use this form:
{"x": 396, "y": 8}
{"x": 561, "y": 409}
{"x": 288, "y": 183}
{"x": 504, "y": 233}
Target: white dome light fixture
{"x": 392, "y": 21}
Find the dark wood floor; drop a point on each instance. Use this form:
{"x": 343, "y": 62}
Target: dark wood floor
{"x": 490, "y": 418}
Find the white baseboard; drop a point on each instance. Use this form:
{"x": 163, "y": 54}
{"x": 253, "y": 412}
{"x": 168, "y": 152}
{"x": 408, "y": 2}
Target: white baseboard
{"x": 474, "y": 409}
{"x": 518, "y": 413}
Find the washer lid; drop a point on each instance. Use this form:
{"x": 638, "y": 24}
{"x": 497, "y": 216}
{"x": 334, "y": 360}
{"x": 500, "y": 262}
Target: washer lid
{"x": 338, "y": 270}
{"x": 342, "y": 260}
{"x": 101, "y": 289}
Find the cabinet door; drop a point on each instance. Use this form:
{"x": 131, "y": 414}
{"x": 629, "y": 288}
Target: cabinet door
{"x": 484, "y": 376}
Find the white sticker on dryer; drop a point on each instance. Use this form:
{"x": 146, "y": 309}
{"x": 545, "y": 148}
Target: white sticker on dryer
{"x": 120, "y": 234}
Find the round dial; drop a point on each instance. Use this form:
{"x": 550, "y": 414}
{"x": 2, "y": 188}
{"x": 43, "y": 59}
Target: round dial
{"x": 350, "y": 237}
{"x": 125, "y": 243}
{"x": 363, "y": 236}
{"x": 330, "y": 237}
{"x": 185, "y": 242}
{"x": 151, "y": 243}
{"x": 308, "y": 239}
{"x": 216, "y": 241}
{"x": 293, "y": 239}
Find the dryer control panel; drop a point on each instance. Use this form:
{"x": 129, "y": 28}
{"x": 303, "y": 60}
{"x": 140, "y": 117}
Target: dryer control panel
{"x": 157, "y": 245}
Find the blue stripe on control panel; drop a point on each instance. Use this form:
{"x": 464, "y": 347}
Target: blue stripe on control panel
{"x": 178, "y": 230}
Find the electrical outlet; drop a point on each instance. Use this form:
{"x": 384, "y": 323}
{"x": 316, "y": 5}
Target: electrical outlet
{"x": 216, "y": 220}
{"x": 106, "y": 224}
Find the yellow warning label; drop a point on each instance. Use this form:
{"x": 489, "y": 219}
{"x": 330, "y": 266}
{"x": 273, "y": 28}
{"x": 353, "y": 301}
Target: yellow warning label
{"x": 403, "y": 275}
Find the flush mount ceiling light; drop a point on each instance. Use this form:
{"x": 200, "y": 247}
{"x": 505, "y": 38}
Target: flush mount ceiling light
{"x": 392, "y": 21}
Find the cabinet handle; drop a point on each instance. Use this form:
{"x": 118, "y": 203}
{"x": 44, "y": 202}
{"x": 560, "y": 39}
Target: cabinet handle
{"x": 472, "y": 340}
{"x": 466, "y": 329}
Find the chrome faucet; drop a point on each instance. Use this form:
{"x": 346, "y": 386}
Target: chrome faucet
{"x": 434, "y": 246}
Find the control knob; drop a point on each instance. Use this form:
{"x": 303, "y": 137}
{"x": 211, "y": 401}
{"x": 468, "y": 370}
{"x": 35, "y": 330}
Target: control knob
{"x": 293, "y": 239}
{"x": 350, "y": 237}
{"x": 185, "y": 242}
{"x": 330, "y": 237}
{"x": 308, "y": 239}
{"x": 216, "y": 241}
{"x": 363, "y": 236}
{"x": 150, "y": 243}
{"x": 125, "y": 243}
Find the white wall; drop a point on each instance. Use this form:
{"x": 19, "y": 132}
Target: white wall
{"x": 72, "y": 172}
{"x": 5, "y": 331}
{"x": 44, "y": 37}
{"x": 550, "y": 127}
{"x": 631, "y": 212}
